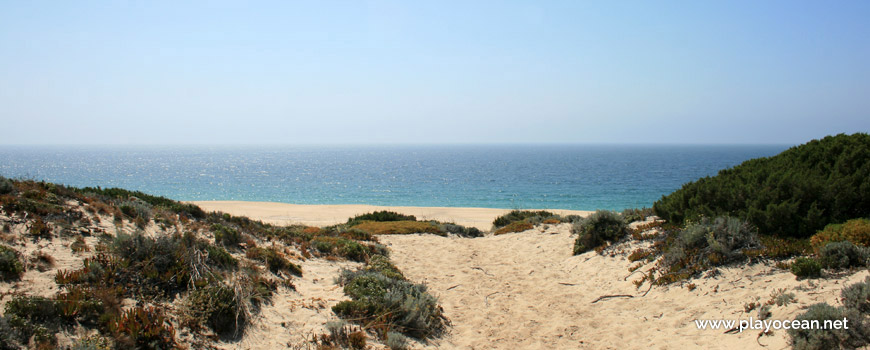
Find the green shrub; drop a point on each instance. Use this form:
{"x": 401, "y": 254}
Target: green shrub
{"x": 633, "y": 214}
{"x": 855, "y": 336}
{"x": 804, "y": 267}
{"x": 380, "y": 216}
{"x": 597, "y": 229}
{"x": 396, "y": 341}
{"x": 856, "y": 231}
{"x": 220, "y": 257}
{"x": 857, "y": 296}
{"x": 792, "y": 194}
{"x": 520, "y": 215}
{"x": 841, "y": 255}
{"x": 6, "y": 186}
{"x": 33, "y": 308}
{"x": 708, "y": 243}
{"x": 216, "y": 307}
{"x": 274, "y": 260}
{"x": 459, "y": 230}
{"x": 398, "y": 304}
{"x": 227, "y": 236}
{"x": 349, "y": 249}
{"x": 10, "y": 265}
{"x": 516, "y": 226}
{"x": 384, "y": 266}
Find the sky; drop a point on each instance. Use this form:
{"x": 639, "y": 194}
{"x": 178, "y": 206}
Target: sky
{"x": 348, "y": 72}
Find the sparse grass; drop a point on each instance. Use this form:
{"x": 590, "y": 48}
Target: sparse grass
{"x": 398, "y": 227}
{"x": 42, "y": 261}
{"x": 79, "y": 245}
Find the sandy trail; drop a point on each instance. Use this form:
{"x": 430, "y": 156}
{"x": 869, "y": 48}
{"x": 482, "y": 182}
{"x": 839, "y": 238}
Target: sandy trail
{"x": 526, "y": 291}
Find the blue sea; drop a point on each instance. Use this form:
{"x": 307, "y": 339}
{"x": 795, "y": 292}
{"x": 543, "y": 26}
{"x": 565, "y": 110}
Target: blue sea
{"x": 583, "y": 177}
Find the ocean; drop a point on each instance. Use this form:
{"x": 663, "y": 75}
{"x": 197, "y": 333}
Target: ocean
{"x": 580, "y": 177}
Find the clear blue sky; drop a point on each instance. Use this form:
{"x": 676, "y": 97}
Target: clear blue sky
{"x": 186, "y": 72}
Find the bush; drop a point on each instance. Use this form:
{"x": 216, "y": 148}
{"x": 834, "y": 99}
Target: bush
{"x": 459, "y": 230}
{"x": 805, "y": 339}
{"x": 856, "y": 231}
{"x": 216, "y": 307}
{"x": 520, "y": 215}
{"x": 398, "y": 304}
{"x": 380, "y": 216}
{"x": 6, "y": 186}
{"x": 842, "y": 255}
{"x": 349, "y": 249}
{"x": 710, "y": 243}
{"x": 227, "y": 236}
{"x": 396, "y": 341}
{"x": 633, "y": 214}
{"x": 792, "y": 194}
{"x": 597, "y": 229}
{"x": 397, "y": 227}
{"x": 274, "y": 260}
{"x": 804, "y": 267}
{"x": 384, "y": 266}
{"x": 10, "y": 264}
{"x": 857, "y": 296}
{"x": 516, "y": 226}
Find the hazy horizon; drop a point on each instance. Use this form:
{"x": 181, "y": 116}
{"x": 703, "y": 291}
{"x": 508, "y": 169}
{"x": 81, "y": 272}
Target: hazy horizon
{"x": 381, "y": 72}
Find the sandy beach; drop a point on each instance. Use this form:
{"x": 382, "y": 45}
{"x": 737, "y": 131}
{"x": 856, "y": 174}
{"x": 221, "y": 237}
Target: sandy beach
{"x": 324, "y": 215}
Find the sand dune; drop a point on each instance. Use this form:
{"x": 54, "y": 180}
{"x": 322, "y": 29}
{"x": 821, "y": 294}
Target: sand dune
{"x": 324, "y": 215}
{"x": 527, "y": 291}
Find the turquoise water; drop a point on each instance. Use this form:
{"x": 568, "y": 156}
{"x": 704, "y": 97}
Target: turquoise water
{"x": 580, "y": 177}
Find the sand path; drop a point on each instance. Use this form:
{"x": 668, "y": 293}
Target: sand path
{"x": 526, "y": 291}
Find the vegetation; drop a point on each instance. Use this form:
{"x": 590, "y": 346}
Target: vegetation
{"x": 792, "y": 194}
{"x": 855, "y": 336}
{"x": 857, "y": 296}
{"x": 380, "y": 216}
{"x": 842, "y": 255}
{"x": 274, "y": 260}
{"x": 390, "y": 304}
{"x": 597, "y": 230}
{"x": 705, "y": 244}
{"x": 516, "y": 226}
{"x": 856, "y": 231}
{"x": 10, "y": 263}
{"x": 804, "y": 267}
{"x": 215, "y": 306}
{"x": 524, "y": 215}
{"x": 398, "y": 227}
{"x": 633, "y": 214}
